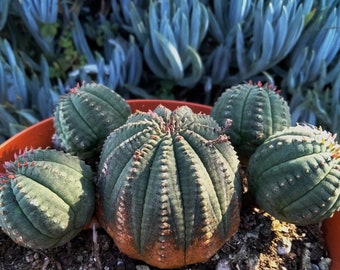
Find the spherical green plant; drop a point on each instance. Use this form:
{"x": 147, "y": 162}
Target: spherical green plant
{"x": 86, "y": 116}
{"x": 250, "y": 113}
{"x": 295, "y": 175}
{"x": 46, "y": 198}
{"x": 169, "y": 191}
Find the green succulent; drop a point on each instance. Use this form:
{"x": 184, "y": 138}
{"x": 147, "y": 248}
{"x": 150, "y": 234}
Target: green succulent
{"x": 294, "y": 175}
{"x": 46, "y": 198}
{"x": 169, "y": 189}
{"x": 250, "y": 113}
{"x": 86, "y": 116}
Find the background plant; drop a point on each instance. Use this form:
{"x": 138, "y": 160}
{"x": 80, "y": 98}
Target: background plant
{"x": 175, "y": 49}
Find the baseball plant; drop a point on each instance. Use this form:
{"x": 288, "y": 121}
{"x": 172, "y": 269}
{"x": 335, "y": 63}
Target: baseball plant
{"x": 250, "y": 113}
{"x": 46, "y": 198}
{"x": 169, "y": 187}
{"x": 295, "y": 175}
{"x": 86, "y": 116}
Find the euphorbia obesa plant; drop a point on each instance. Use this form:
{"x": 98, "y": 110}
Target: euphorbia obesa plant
{"x": 169, "y": 189}
{"x": 86, "y": 116}
{"x": 295, "y": 175}
{"x": 46, "y": 198}
{"x": 252, "y": 112}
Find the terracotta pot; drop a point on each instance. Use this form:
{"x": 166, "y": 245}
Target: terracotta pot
{"x": 40, "y": 134}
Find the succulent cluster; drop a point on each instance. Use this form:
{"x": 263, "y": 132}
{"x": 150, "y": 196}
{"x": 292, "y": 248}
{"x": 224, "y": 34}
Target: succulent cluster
{"x": 167, "y": 183}
{"x": 48, "y": 196}
{"x": 293, "y": 172}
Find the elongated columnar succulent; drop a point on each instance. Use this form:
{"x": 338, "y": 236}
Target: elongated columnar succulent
{"x": 295, "y": 175}
{"x": 86, "y": 116}
{"x": 169, "y": 188}
{"x": 46, "y": 198}
{"x": 252, "y": 112}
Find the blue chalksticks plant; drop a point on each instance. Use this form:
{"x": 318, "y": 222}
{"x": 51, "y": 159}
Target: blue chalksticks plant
{"x": 46, "y": 198}
{"x": 251, "y": 113}
{"x": 168, "y": 185}
{"x": 295, "y": 175}
{"x": 182, "y": 49}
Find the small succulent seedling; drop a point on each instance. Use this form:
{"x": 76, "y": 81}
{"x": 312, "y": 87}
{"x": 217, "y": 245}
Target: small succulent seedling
{"x": 169, "y": 191}
{"x": 86, "y": 116}
{"x": 295, "y": 175}
{"x": 252, "y": 112}
{"x": 46, "y": 198}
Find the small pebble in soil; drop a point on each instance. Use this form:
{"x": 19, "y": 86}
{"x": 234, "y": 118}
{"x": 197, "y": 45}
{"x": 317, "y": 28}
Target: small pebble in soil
{"x": 120, "y": 264}
{"x": 315, "y": 267}
{"x": 325, "y": 263}
{"x": 305, "y": 259}
{"x": 29, "y": 258}
{"x": 80, "y": 258}
{"x": 36, "y": 256}
{"x": 285, "y": 246}
{"x": 223, "y": 264}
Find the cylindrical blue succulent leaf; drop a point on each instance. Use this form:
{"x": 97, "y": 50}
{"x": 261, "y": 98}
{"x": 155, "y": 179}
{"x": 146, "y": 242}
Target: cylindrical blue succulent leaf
{"x": 46, "y": 198}
{"x": 4, "y": 12}
{"x": 175, "y": 31}
{"x": 294, "y": 175}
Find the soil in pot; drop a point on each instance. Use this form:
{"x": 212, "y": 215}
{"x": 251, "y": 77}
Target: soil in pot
{"x": 261, "y": 243}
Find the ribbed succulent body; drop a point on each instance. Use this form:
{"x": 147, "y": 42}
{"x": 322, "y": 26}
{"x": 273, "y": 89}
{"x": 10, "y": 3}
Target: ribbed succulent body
{"x": 250, "y": 113}
{"x": 295, "y": 175}
{"x": 86, "y": 116}
{"x": 169, "y": 188}
{"x": 46, "y": 198}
